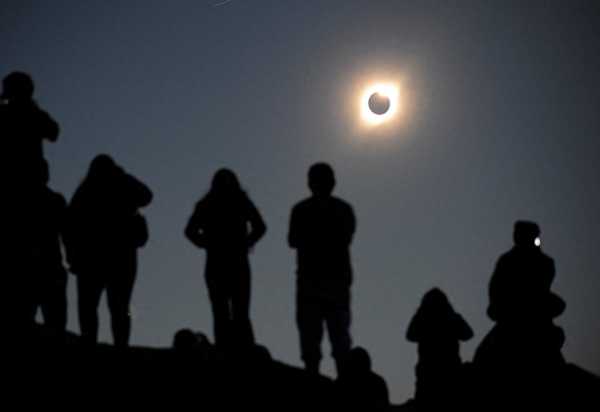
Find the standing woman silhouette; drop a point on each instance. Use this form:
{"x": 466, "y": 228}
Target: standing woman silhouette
{"x": 226, "y": 223}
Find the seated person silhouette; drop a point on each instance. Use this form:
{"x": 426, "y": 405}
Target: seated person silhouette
{"x": 438, "y": 330}
{"x": 227, "y": 225}
{"x": 44, "y": 264}
{"x": 321, "y": 230}
{"x": 358, "y": 387}
{"x": 519, "y": 289}
{"x": 523, "y": 307}
{"x": 104, "y": 231}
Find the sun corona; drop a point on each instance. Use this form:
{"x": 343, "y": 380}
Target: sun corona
{"x": 382, "y": 91}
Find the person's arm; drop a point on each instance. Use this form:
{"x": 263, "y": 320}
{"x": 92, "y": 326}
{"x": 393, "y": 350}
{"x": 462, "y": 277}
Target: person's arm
{"x": 495, "y": 290}
{"x": 293, "y": 235}
{"x": 349, "y": 225}
{"x": 412, "y": 333}
{"x": 258, "y": 228}
{"x": 47, "y": 127}
{"x": 70, "y": 235}
{"x": 140, "y": 230}
{"x": 193, "y": 230}
{"x": 463, "y": 329}
{"x": 139, "y": 192}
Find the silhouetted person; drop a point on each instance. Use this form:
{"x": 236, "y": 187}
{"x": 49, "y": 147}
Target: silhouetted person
{"x": 438, "y": 330}
{"x": 24, "y": 127}
{"x": 358, "y": 387}
{"x": 227, "y": 225}
{"x": 105, "y": 229}
{"x": 44, "y": 268}
{"x": 522, "y": 303}
{"x": 524, "y": 346}
{"x": 321, "y": 230}
{"x": 520, "y": 286}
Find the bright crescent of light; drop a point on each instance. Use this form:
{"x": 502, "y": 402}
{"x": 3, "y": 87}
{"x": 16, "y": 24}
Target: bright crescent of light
{"x": 388, "y": 90}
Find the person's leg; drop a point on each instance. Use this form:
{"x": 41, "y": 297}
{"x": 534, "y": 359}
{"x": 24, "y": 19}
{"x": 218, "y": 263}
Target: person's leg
{"x": 119, "y": 290}
{"x": 219, "y": 301}
{"x": 310, "y": 326}
{"x": 240, "y": 310}
{"x": 338, "y": 319}
{"x": 54, "y": 305}
{"x": 89, "y": 290}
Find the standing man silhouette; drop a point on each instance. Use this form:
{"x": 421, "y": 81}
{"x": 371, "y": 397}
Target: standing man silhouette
{"x": 23, "y": 128}
{"x": 321, "y": 230}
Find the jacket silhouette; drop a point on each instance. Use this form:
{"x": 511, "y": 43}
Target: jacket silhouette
{"x": 227, "y": 225}
{"x": 321, "y": 231}
{"x": 104, "y": 231}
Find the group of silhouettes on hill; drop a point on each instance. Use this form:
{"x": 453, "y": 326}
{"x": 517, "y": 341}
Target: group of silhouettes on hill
{"x": 102, "y": 228}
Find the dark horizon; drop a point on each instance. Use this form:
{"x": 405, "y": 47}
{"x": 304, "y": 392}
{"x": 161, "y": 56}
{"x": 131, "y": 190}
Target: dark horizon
{"x": 501, "y": 124}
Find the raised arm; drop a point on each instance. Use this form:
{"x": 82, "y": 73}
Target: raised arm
{"x": 47, "y": 127}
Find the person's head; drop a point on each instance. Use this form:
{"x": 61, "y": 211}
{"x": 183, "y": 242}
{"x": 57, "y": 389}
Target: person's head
{"x": 321, "y": 179}
{"x": 102, "y": 165}
{"x": 225, "y": 183}
{"x": 185, "y": 340}
{"x": 525, "y": 233}
{"x": 17, "y": 86}
{"x": 436, "y": 303}
{"x": 356, "y": 362}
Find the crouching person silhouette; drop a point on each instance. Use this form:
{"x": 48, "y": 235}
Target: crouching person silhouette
{"x": 438, "y": 330}
{"x": 227, "y": 225}
{"x": 321, "y": 230}
{"x": 104, "y": 230}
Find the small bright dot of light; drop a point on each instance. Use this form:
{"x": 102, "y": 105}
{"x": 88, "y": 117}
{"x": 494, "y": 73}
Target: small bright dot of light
{"x": 538, "y": 242}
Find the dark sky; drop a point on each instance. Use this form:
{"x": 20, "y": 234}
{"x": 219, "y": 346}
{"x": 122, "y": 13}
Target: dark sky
{"x": 500, "y": 122}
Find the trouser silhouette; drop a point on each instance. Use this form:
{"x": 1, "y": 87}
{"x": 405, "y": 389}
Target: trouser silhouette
{"x": 50, "y": 294}
{"x": 119, "y": 288}
{"x": 229, "y": 295}
{"x": 313, "y": 312}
